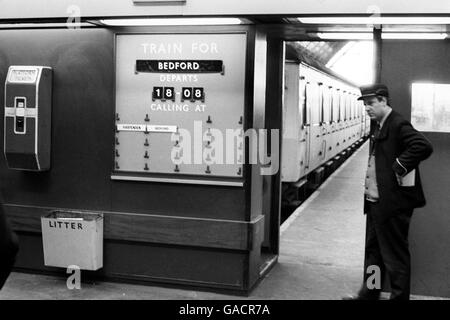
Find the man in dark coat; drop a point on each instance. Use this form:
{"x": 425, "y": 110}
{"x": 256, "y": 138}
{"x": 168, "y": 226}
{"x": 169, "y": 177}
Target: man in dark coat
{"x": 8, "y": 248}
{"x": 392, "y": 191}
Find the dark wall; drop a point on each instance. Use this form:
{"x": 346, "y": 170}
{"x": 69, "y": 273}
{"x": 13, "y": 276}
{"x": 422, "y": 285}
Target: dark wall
{"x": 83, "y": 133}
{"x": 82, "y": 63}
{"x": 209, "y": 253}
{"x": 405, "y": 62}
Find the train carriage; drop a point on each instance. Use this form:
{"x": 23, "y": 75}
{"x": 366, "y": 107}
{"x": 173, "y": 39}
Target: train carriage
{"x": 322, "y": 119}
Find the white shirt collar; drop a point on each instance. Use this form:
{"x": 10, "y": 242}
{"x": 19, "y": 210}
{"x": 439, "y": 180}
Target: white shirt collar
{"x": 385, "y": 117}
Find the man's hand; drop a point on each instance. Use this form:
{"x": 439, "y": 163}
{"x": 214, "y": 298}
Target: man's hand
{"x": 399, "y": 179}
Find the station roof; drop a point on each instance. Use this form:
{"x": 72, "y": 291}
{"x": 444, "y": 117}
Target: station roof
{"x": 26, "y": 9}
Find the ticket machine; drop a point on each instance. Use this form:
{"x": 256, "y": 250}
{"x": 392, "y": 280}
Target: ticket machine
{"x": 27, "y": 123}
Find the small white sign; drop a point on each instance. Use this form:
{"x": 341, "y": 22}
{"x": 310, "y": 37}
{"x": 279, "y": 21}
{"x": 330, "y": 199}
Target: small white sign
{"x": 161, "y": 128}
{"x": 20, "y": 112}
{"x": 27, "y": 112}
{"x": 131, "y": 127}
{"x": 19, "y": 75}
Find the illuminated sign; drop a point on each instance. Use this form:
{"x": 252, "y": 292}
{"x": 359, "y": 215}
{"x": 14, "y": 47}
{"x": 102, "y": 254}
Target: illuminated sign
{"x": 179, "y": 66}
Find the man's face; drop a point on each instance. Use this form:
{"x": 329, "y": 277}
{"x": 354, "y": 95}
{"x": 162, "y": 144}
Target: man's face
{"x": 375, "y": 108}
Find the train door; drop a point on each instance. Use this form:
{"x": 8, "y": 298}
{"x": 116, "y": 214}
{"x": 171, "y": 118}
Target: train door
{"x": 294, "y": 136}
{"x": 346, "y": 119}
{"x": 331, "y": 141}
{"x": 352, "y": 117}
{"x": 304, "y": 128}
{"x": 361, "y": 118}
{"x": 357, "y": 118}
{"x": 341, "y": 120}
{"x": 315, "y": 140}
{"x": 337, "y": 119}
{"x": 307, "y": 97}
{"x": 334, "y": 104}
{"x": 326, "y": 122}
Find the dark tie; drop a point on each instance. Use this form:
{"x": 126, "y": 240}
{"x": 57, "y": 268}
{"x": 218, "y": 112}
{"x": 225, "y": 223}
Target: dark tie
{"x": 374, "y": 138}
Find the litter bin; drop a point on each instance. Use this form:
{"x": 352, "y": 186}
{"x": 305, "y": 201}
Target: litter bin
{"x": 73, "y": 238}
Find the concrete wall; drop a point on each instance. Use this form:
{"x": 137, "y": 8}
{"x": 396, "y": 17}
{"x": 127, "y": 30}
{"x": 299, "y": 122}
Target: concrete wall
{"x": 405, "y": 62}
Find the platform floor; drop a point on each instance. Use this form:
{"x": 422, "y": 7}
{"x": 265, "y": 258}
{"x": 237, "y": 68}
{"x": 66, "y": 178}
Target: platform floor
{"x": 322, "y": 248}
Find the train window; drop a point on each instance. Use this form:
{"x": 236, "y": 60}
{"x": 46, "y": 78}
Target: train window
{"x": 313, "y": 102}
{"x": 344, "y": 105}
{"x": 356, "y": 107}
{"x": 359, "y": 108}
{"x": 338, "y": 108}
{"x": 331, "y": 103}
{"x": 326, "y": 105}
{"x": 349, "y": 106}
{"x": 322, "y": 102}
{"x": 304, "y": 98}
{"x": 352, "y": 107}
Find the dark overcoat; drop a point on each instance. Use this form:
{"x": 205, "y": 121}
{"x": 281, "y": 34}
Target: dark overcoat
{"x": 399, "y": 148}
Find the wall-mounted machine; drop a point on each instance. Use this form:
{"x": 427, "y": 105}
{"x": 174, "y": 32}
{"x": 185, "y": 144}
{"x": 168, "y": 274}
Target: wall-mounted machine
{"x": 27, "y": 123}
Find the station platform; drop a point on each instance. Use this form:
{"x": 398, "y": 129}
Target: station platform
{"x": 321, "y": 253}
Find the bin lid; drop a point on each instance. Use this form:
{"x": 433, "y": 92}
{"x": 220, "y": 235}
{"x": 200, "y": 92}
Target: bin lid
{"x": 74, "y": 215}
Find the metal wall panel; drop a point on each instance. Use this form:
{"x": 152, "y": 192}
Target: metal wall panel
{"x": 197, "y": 144}
{"x": 405, "y": 62}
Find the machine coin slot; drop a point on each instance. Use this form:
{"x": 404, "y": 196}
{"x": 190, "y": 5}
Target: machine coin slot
{"x": 20, "y": 125}
{"x": 20, "y": 115}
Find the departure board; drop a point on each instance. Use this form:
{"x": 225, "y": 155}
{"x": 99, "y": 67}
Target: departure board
{"x": 180, "y": 104}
